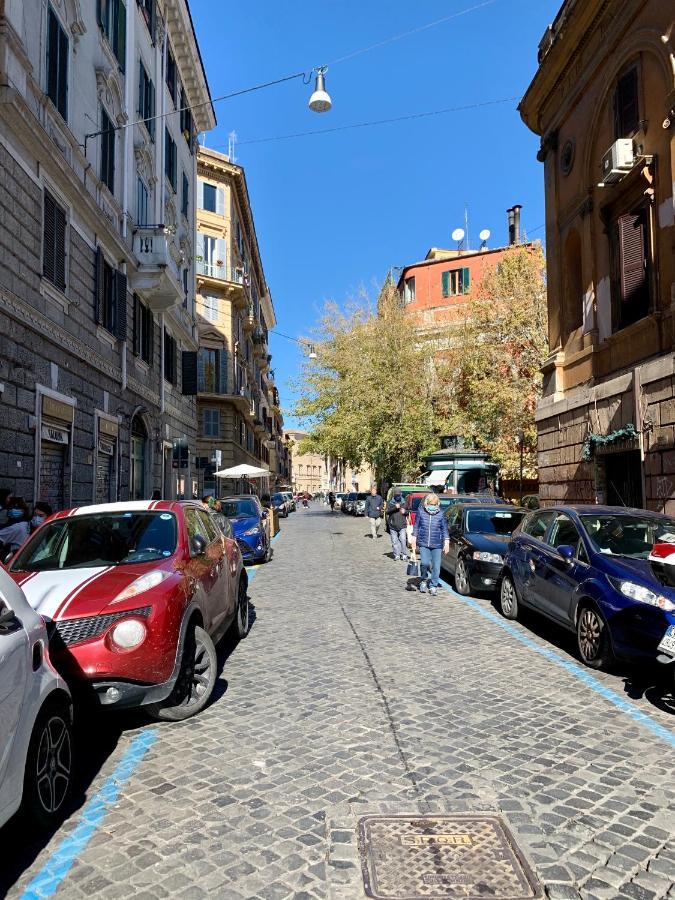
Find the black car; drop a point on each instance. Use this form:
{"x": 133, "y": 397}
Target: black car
{"x": 479, "y": 536}
{"x": 348, "y": 502}
{"x": 280, "y": 503}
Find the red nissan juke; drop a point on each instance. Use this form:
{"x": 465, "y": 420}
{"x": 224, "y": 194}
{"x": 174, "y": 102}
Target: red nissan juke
{"x": 135, "y": 596}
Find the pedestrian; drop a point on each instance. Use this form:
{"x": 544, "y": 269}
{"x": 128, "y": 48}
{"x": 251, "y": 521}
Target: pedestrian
{"x": 41, "y": 511}
{"x": 430, "y": 536}
{"x": 397, "y": 520}
{"x": 373, "y": 511}
{"x": 5, "y": 503}
{"x": 305, "y": 500}
{"x": 207, "y": 500}
{"x": 331, "y": 501}
{"x": 15, "y": 533}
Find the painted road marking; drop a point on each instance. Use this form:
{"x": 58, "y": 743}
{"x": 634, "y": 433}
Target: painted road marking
{"x": 47, "y": 881}
{"x": 573, "y": 668}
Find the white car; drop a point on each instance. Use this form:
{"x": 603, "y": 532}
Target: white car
{"x": 36, "y": 735}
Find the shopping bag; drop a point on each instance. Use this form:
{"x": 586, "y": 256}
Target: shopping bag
{"x": 413, "y": 568}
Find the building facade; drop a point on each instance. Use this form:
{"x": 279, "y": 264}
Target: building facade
{"x": 97, "y": 245}
{"x": 315, "y": 472}
{"x": 603, "y": 101}
{"x": 239, "y": 419}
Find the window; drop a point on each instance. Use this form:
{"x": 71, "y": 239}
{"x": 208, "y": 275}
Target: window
{"x": 110, "y": 297}
{"x": 209, "y": 197}
{"x": 107, "y": 152}
{"x": 170, "y": 358}
{"x": 170, "y": 159}
{"x": 455, "y": 282}
{"x": 210, "y": 308}
{"x": 537, "y": 525}
{"x": 211, "y": 425}
{"x": 147, "y": 8}
{"x": 626, "y": 105}
{"x": 564, "y": 531}
{"x": 242, "y": 432}
{"x": 631, "y": 241}
{"x": 185, "y": 196}
{"x": 212, "y": 371}
{"x": 186, "y": 123}
{"x": 142, "y": 202}
{"x": 108, "y": 310}
{"x": 186, "y": 273}
{"x": 171, "y": 73}
{"x": 57, "y": 63}
{"x": 409, "y": 290}
{"x": 143, "y": 331}
{"x": 112, "y": 20}
{"x": 146, "y": 100}
{"x": 54, "y": 243}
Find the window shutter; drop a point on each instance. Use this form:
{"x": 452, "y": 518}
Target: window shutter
{"x": 221, "y": 252}
{"x": 98, "y": 286}
{"x": 201, "y": 370}
{"x": 200, "y": 193}
{"x": 62, "y": 85}
{"x": 445, "y": 283}
{"x": 121, "y": 35}
{"x": 59, "y": 248}
{"x": 141, "y": 89}
{"x": 174, "y": 361}
{"x": 48, "y": 238}
{"x": 220, "y": 201}
{"x": 149, "y": 335}
{"x": 189, "y": 372}
{"x": 153, "y": 20}
{"x": 466, "y": 280}
{"x": 120, "y": 306}
{"x": 223, "y": 370}
{"x": 633, "y": 260}
{"x": 200, "y": 244}
{"x": 136, "y": 343}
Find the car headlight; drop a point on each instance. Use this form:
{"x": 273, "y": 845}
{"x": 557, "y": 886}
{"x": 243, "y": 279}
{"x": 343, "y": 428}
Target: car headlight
{"x": 644, "y": 595}
{"x": 144, "y": 583}
{"x": 484, "y": 556}
{"x": 128, "y": 633}
{"x": 251, "y": 531}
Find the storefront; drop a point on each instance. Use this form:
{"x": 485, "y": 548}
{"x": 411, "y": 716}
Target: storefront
{"x": 54, "y": 451}
{"x": 107, "y": 432}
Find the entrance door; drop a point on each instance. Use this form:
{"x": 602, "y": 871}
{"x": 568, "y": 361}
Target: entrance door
{"x": 623, "y": 475}
{"x": 138, "y": 446}
{"x": 52, "y": 475}
{"x": 105, "y": 473}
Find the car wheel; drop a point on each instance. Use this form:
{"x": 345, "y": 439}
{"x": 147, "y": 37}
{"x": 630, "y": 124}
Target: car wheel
{"x": 595, "y": 648}
{"x": 462, "y": 578}
{"x": 242, "y": 620}
{"x": 48, "y": 777}
{"x": 268, "y": 553}
{"x": 195, "y": 682}
{"x": 508, "y": 599}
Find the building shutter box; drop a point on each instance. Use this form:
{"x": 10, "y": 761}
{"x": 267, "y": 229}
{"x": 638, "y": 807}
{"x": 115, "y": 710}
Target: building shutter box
{"x": 632, "y": 256}
{"x": 98, "y": 286}
{"x": 120, "y": 306}
{"x": 445, "y": 283}
{"x": 223, "y": 371}
{"x": 189, "y": 372}
{"x": 220, "y": 201}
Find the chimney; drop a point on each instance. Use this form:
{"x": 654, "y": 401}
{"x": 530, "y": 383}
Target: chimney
{"x": 514, "y": 224}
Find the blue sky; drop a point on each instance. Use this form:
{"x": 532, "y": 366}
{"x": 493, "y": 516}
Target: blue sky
{"x": 334, "y": 212}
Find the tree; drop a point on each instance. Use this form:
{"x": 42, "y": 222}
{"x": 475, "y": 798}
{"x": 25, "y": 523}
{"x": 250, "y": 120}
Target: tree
{"x": 369, "y": 395}
{"x": 493, "y": 371}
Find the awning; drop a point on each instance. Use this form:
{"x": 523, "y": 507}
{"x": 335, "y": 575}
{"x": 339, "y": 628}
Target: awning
{"x": 437, "y": 476}
{"x": 242, "y": 471}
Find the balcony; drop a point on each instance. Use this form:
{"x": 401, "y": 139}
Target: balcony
{"x": 156, "y": 278}
{"x": 228, "y": 277}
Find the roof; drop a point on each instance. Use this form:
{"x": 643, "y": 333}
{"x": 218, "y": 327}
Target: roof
{"x": 123, "y": 506}
{"x": 590, "y": 508}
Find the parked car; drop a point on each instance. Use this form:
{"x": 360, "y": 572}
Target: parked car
{"x": 359, "y": 508}
{"x": 479, "y": 536}
{"x": 281, "y": 504}
{"x": 445, "y": 501}
{"x": 339, "y": 497}
{"x": 136, "y": 595}
{"x": 348, "y": 502}
{"x": 247, "y": 518}
{"x": 404, "y": 490}
{"x": 36, "y": 739}
{"x": 292, "y": 506}
{"x": 587, "y": 569}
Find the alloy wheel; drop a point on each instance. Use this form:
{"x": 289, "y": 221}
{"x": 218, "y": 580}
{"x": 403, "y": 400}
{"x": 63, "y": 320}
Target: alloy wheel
{"x": 462, "y": 577}
{"x": 53, "y": 764}
{"x": 508, "y": 599}
{"x": 242, "y": 610}
{"x": 591, "y": 629}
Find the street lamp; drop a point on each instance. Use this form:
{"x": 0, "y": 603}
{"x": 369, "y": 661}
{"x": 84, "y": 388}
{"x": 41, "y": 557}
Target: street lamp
{"x": 320, "y": 100}
{"x": 520, "y": 441}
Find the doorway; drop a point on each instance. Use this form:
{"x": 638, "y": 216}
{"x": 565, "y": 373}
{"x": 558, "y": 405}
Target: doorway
{"x": 623, "y": 477}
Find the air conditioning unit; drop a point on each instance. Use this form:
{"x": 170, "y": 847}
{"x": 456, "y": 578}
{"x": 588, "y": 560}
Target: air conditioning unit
{"x": 618, "y": 161}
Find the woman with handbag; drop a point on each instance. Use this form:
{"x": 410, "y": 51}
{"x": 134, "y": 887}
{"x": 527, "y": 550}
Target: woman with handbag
{"x": 430, "y": 536}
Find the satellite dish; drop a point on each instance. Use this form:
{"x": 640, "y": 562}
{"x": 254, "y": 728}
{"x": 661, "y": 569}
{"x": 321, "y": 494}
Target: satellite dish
{"x": 458, "y": 234}
{"x": 485, "y": 234}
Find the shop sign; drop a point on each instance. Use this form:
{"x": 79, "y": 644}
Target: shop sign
{"x": 105, "y": 426}
{"x": 55, "y": 435}
{"x": 55, "y": 409}
{"x": 106, "y": 448}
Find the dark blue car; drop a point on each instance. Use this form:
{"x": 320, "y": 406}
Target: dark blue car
{"x": 247, "y": 518}
{"x": 588, "y": 569}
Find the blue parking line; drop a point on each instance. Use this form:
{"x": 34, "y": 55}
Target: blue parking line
{"x": 581, "y": 674}
{"x": 47, "y": 881}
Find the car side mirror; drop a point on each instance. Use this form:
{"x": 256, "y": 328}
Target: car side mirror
{"x": 198, "y": 545}
{"x": 566, "y": 551}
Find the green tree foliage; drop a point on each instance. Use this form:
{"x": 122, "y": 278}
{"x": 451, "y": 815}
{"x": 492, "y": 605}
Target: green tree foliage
{"x": 493, "y": 370}
{"x": 369, "y": 395}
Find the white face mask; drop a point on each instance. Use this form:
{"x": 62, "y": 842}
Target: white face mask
{"x": 37, "y": 520}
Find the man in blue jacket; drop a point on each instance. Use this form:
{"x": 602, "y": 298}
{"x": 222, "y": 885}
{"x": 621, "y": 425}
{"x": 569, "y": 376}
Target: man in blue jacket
{"x": 374, "y": 508}
{"x": 430, "y": 536}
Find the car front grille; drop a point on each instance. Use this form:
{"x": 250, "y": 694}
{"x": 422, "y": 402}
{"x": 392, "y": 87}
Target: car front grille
{"x": 74, "y": 631}
{"x": 244, "y": 547}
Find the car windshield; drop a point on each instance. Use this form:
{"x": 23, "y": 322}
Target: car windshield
{"x": 492, "y": 521}
{"x": 101, "y": 539}
{"x": 622, "y": 535}
{"x": 234, "y": 508}
{"x": 277, "y": 498}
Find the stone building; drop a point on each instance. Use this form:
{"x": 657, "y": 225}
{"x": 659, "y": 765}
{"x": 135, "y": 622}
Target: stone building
{"x": 98, "y": 183}
{"x": 603, "y": 101}
{"x": 238, "y": 401}
{"x": 314, "y": 472}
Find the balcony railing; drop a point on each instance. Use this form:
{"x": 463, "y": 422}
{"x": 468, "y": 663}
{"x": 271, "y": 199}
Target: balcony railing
{"x": 156, "y": 278}
{"x": 219, "y": 270}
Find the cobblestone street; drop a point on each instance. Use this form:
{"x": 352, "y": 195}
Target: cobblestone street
{"x": 354, "y": 696}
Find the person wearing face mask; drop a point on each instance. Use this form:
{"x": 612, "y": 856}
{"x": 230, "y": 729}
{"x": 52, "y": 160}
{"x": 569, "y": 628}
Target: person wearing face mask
{"x": 17, "y": 530}
{"x": 41, "y": 511}
{"x": 430, "y": 536}
{"x": 5, "y": 503}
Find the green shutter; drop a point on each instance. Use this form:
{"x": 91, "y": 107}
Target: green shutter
{"x": 466, "y": 280}
{"x": 121, "y": 49}
{"x": 445, "y": 283}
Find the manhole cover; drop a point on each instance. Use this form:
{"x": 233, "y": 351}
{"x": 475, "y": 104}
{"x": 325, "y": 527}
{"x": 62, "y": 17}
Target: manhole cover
{"x": 468, "y": 856}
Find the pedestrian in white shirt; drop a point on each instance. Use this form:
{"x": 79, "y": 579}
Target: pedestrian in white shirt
{"x": 17, "y": 530}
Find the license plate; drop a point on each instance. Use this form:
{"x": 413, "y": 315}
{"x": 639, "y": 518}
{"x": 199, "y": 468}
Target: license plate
{"x": 667, "y": 644}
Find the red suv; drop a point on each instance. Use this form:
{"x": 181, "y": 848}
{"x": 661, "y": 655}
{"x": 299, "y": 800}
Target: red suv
{"x": 135, "y": 596}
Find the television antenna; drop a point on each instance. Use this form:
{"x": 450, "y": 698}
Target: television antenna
{"x": 458, "y": 235}
{"x": 484, "y": 235}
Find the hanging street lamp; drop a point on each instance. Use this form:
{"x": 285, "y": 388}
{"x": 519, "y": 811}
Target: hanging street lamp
{"x": 320, "y": 100}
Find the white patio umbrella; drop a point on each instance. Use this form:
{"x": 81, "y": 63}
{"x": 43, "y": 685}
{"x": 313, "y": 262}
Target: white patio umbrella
{"x": 243, "y": 471}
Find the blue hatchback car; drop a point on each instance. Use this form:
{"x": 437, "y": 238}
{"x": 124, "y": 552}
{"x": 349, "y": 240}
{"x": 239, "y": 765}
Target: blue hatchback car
{"x": 588, "y": 569}
{"x": 247, "y": 518}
